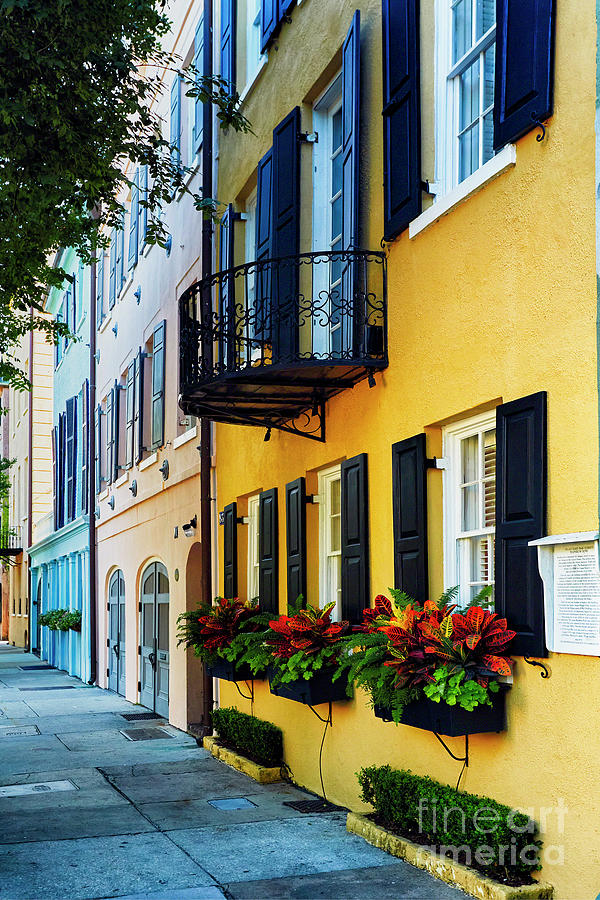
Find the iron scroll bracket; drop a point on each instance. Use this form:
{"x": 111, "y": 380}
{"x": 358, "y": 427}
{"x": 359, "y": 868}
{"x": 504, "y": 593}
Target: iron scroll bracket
{"x": 545, "y": 673}
{"x": 463, "y": 759}
{"x": 539, "y": 137}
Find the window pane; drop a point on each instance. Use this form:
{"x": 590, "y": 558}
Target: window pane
{"x": 336, "y": 174}
{"x": 336, "y": 218}
{"x": 163, "y": 626}
{"x": 461, "y": 28}
{"x": 468, "y": 152}
{"x": 335, "y": 497}
{"x": 469, "y": 96}
{"x": 336, "y": 131}
{"x": 336, "y": 263}
{"x": 469, "y": 451}
{"x": 486, "y": 16}
{"x": 469, "y": 518}
{"x": 148, "y": 624}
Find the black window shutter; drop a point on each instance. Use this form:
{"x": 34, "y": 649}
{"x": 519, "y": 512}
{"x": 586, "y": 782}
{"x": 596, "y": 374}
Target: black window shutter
{"x": 55, "y": 474}
{"x": 130, "y": 414}
{"x": 98, "y": 448}
{"x": 355, "y": 537}
{"x": 158, "y": 385}
{"x": 269, "y": 20}
{"x": 524, "y": 86}
{"x": 286, "y": 234}
{"x": 230, "y": 581}
{"x": 295, "y": 512}
{"x": 228, "y": 49}
{"x": 520, "y": 518}
{"x": 138, "y": 406}
{"x": 109, "y": 436}
{"x": 116, "y": 415}
{"x": 401, "y": 115}
{"x": 61, "y": 469}
{"x": 70, "y": 456}
{"x": 227, "y": 338}
{"x": 85, "y": 447}
{"x": 409, "y": 500}
{"x": 264, "y": 245}
{"x": 268, "y": 550}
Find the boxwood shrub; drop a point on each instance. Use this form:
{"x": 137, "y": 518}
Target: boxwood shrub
{"x": 259, "y": 740}
{"x": 477, "y": 831}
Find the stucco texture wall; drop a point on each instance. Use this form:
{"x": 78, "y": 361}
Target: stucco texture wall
{"x": 494, "y": 301}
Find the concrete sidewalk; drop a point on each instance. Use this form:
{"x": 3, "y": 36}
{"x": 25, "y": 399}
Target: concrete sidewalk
{"x": 95, "y": 806}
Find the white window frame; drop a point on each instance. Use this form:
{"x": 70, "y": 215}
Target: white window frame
{"x": 253, "y": 583}
{"x": 446, "y": 97}
{"x": 452, "y": 435}
{"x": 255, "y": 60}
{"x": 329, "y": 581}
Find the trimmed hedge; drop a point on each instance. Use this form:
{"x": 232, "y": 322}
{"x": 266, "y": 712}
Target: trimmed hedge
{"x": 475, "y": 830}
{"x": 261, "y": 741}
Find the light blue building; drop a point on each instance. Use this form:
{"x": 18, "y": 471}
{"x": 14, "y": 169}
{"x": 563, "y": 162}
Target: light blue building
{"x": 60, "y": 554}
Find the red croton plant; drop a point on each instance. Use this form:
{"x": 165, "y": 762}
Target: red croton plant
{"x": 305, "y": 642}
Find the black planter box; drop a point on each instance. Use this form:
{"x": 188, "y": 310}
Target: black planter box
{"x": 319, "y": 689}
{"x": 452, "y": 721}
{"x": 228, "y": 672}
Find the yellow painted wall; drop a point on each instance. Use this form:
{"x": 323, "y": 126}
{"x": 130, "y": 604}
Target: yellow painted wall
{"x": 495, "y": 301}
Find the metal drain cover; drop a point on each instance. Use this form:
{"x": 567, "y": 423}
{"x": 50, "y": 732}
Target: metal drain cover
{"x": 312, "y": 806}
{"x": 146, "y": 734}
{"x": 18, "y": 730}
{"x": 140, "y": 717}
{"x": 39, "y": 787}
{"x": 230, "y": 803}
{"x": 37, "y": 667}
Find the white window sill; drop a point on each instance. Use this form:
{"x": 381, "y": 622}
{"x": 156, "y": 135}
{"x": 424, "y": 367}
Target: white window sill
{"x": 188, "y": 435}
{"x": 103, "y": 494}
{"x": 122, "y": 479}
{"x": 126, "y": 286}
{"x": 262, "y": 62}
{"x": 149, "y": 461}
{"x": 503, "y": 160}
{"x": 104, "y": 323}
{"x": 194, "y": 171}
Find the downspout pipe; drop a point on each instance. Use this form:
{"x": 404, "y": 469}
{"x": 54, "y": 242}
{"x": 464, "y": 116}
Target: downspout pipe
{"x": 92, "y": 482}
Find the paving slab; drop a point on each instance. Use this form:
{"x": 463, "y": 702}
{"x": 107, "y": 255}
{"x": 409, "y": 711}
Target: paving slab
{"x": 197, "y": 813}
{"x": 68, "y": 821}
{"x": 11, "y": 708}
{"x": 200, "y": 893}
{"x": 216, "y": 781}
{"x": 107, "y": 867}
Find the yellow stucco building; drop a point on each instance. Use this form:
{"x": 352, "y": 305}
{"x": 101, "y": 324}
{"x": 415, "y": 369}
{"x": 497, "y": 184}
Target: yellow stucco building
{"x": 470, "y": 339}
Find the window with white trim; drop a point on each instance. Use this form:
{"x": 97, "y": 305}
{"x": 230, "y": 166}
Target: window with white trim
{"x": 254, "y": 58}
{"x": 253, "y": 548}
{"x": 330, "y": 539}
{"x": 470, "y": 505}
{"x": 465, "y": 49}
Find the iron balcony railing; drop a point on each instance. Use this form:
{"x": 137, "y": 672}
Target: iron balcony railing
{"x": 10, "y": 540}
{"x": 327, "y": 308}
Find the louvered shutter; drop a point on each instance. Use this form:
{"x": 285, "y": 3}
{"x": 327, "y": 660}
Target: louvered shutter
{"x": 73, "y": 299}
{"x": 158, "y": 385}
{"x": 409, "y": 500}
{"x": 110, "y": 444}
{"x": 129, "y": 415}
{"x": 520, "y": 518}
{"x": 70, "y": 456}
{"x": 112, "y": 276}
{"x": 355, "y": 537}
{"x": 98, "y": 447}
{"x": 85, "y": 446}
{"x": 264, "y": 246}
{"x": 268, "y": 552}
{"x": 284, "y": 8}
{"x": 228, "y": 26}
{"x": 350, "y": 178}
{"x": 269, "y": 20}
{"x": 230, "y": 581}
{"x": 132, "y": 256}
{"x": 138, "y": 406}
{"x": 227, "y": 331}
{"x": 286, "y": 235}
{"x": 295, "y": 510}
{"x": 142, "y": 208}
{"x": 55, "y": 474}
{"x": 100, "y": 288}
{"x": 116, "y": 431}
{"x": 199, "y": 71}
{"x": 401, "y": 115}
{"x": 175, "y": 123}
{"x": 61, "y": 477}
{"x": 524, "y": 87}
{"x": 120, "y": 261}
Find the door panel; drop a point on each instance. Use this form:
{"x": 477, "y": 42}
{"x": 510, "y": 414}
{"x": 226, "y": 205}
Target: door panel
{"x": 154, "y": 630}
{"x": 121, "y": 641}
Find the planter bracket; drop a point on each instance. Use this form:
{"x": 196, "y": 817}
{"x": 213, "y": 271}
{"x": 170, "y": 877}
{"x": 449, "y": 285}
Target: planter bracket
{"x": 535, "y": 662}
{"x": 463, "y": 759}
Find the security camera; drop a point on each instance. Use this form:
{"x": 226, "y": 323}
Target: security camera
{"x": 189, "y": 529}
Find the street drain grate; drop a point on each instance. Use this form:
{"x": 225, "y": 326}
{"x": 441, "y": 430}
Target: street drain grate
{"x": 40, "y": 787}
{"x": 52, "y": 687}
{"x": 145, "y": 734}
{"x": 37, "y": 667}
{"x": 18, "y": 730}
{"x": 312, "y": 806}
{"x": 140, "y": 717}
{"x": 230, "y": 803}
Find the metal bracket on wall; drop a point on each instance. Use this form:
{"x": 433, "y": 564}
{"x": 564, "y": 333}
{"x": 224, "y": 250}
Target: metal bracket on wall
{"x": 535, "y": 662}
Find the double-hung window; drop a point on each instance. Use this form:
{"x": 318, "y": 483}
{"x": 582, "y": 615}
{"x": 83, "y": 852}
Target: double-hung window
{"x": 470, "y": 505}
{"x": 466, "y": 37}
{"x": 330, "y": 539}
{"x": 254, "y": 58}
{"x": 253, "y": 547}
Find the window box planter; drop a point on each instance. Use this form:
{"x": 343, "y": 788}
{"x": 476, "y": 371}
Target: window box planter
{"x": 227, "y": 671}
{"x": 318, "y": 689}
{"x": 452, "y": 721}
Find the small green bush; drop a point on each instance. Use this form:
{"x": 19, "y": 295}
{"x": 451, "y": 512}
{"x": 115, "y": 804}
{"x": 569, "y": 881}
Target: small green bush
{"x": 476, "y": 830}
{"x": 61, "y": 620}
{"x": 261, "y": 741}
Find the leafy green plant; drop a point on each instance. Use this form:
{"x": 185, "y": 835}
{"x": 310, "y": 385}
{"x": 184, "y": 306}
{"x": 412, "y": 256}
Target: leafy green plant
{"x": 303, "y": 644}
{"x": 230, "y": 629}
{"x": 61, "y": 619}
{"x": 259, "y": 740}
{"x": 454, "y": 690}
{"x": 440, "y": 816}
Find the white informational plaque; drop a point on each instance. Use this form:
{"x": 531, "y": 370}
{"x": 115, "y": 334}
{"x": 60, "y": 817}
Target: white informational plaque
{"x": 569, "y": 568}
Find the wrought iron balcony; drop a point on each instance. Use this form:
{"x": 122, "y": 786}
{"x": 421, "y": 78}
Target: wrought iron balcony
{"x": 10, "y": 541}
{"x": 267, "y": 343}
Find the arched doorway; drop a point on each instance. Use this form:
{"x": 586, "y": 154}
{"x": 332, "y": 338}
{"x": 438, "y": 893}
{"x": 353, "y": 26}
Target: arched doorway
{"x": 154, "y": 632}
{"x": 116, "y": 633}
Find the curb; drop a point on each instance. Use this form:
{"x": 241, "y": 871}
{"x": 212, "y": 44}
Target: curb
{"x": 471, "y": 881}
{"x": 262, "y": 774}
